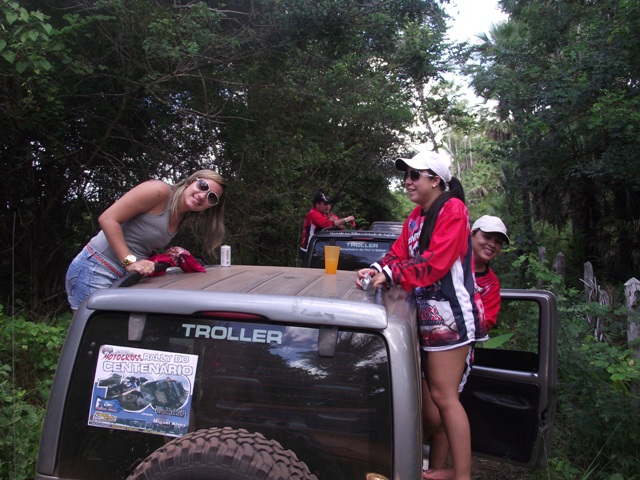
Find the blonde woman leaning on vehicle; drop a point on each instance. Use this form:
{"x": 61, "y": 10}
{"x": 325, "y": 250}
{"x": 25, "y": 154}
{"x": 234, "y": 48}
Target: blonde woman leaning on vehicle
{"x": 142, "y": 221}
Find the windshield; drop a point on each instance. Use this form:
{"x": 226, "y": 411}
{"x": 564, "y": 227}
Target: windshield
{"x": 187, "y": 373}
{"x": 354, "y": 253}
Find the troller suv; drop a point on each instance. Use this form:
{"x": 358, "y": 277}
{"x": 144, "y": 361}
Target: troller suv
{"x": 249, "y": 372}
{"x": 358, "y": 248}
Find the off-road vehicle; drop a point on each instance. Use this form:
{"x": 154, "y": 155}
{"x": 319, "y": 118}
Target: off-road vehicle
{"x": 384, "y": 226}
{"x": 249, "y": 372}
{"x": 358, "y": 248}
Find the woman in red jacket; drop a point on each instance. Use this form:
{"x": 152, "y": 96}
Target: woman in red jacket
{"x": 433, "y": 259}
{"x": 488, "y": 234}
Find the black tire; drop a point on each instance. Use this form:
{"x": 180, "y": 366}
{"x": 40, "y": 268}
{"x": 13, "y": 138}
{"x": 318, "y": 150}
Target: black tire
{"x": 222, "y": 454}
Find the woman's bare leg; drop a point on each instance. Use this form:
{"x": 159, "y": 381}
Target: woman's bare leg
{"x": 443, "y": 373}
{"x": 434, "y": 431}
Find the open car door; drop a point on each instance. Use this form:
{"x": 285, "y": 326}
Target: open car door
{"x": 510, "y": 396}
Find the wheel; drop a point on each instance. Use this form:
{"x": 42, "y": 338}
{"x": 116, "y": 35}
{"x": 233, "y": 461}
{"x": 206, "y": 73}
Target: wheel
{"x": 222, "y": 454}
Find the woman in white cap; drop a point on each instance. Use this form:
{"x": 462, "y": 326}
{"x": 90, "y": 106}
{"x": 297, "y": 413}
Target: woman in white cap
{"x": 488, "y": 235}
{"x": 433, "y": 258}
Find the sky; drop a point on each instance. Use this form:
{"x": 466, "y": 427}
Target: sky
{"x": 470, "y": 18}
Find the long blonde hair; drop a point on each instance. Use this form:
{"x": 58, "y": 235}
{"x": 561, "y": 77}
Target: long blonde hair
{"x": 208, "y": 224}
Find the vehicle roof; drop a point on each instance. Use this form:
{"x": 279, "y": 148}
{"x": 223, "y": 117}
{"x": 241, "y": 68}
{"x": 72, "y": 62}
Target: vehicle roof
{"x": 280, "y": 293}
{"x": 355, "y": 234}
{"x": 386, "y": 226}
{"x": 271, "y": 280}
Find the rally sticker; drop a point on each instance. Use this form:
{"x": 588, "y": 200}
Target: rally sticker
{"x": 143, "y": 390}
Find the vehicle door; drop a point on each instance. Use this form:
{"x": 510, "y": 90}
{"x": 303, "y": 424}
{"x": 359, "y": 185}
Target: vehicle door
{"x": 510, "y": 396}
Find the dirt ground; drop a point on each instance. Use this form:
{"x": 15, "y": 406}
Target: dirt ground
{"x": 483, "y": 469}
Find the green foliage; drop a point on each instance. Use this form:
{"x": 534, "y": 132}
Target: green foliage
{"x": 33, "y": 349}
{"x": 620, "y": 364}
{"x": 498, "y": 340}
{"x": 561, "y": 74}
{"x": 516, "y": 329}
{"x": 29, "y": 354}
{"x": 403, "y": 207}
{"x": 21, "y": 423}
{"x": 26, "y": 38}
{"x": 282, "y": 98}
{"x": 598, "y": 397}
{"x": 483, "y": 188}
{"x": 537, "y": 273}
{"x": 595, "y": 433}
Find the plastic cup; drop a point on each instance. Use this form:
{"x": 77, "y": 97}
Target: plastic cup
{"x": 331, "y": 255}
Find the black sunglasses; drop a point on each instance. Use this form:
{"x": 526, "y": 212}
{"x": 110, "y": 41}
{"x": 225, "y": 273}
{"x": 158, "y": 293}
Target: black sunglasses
{"x": 415, "y": 175}
{"x": 212, "y": 197}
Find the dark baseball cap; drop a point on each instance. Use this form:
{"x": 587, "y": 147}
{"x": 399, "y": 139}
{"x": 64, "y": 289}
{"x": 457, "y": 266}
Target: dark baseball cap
{"x": 321, "y": 197}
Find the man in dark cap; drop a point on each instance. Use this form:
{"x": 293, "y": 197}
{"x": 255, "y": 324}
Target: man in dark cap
{"x": 318, "y": 219}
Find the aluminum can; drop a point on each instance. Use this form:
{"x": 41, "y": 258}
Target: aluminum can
{"x": 225, "y": 256}
{"x": 366, "y": 282}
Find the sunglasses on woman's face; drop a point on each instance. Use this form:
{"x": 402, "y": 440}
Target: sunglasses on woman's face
{"x": 212, "y": 197}
{"x": 415, "y": 175}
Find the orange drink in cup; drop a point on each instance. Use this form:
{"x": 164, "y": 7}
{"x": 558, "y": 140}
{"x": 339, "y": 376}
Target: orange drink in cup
{"x": 331, "y": 254}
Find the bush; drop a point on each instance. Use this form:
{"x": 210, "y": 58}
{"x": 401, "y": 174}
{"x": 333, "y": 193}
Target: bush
{"x": 29, "y": 355}
{"x": 598, "y": 402}
{"x": 596, "y": 432}
{"x": 21, "y": 423}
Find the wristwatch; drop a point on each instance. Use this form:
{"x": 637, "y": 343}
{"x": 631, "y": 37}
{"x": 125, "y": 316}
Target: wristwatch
{"x": 128, "y": 260}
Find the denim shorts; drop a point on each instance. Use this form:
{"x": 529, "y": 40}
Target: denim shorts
{"x": 88, "y": 272}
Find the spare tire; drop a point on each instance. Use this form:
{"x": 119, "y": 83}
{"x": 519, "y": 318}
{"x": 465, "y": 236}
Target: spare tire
{"x": 222, "y": 454}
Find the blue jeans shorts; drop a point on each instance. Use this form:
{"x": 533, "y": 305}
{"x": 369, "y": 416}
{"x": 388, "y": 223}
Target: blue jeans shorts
{"x": 88, "y": 272}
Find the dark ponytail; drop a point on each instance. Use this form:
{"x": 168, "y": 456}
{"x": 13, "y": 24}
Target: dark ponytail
{"x": 455, "y": 191}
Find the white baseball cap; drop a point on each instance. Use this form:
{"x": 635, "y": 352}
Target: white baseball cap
{"x": 491, "y": 224}
{"x": 434, "y": 161}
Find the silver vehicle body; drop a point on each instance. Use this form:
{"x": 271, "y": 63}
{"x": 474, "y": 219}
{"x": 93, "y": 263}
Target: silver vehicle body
{"x": 297, "y": 298}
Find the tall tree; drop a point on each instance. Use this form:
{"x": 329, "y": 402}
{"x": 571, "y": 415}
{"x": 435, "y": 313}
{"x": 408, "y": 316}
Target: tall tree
{"x": 283, "y": 98}
{"x": 566, "y": 76}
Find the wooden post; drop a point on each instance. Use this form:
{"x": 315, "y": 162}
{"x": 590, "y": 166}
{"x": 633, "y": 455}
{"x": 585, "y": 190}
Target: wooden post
{"x": 604, "y": 298}
{"x": 589, "y": 281}
{"x": 560, "y": 265}
{"x": 595, "y": 293}
{"x": 542, "y": 258}
{"x": 632, "y": 293}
